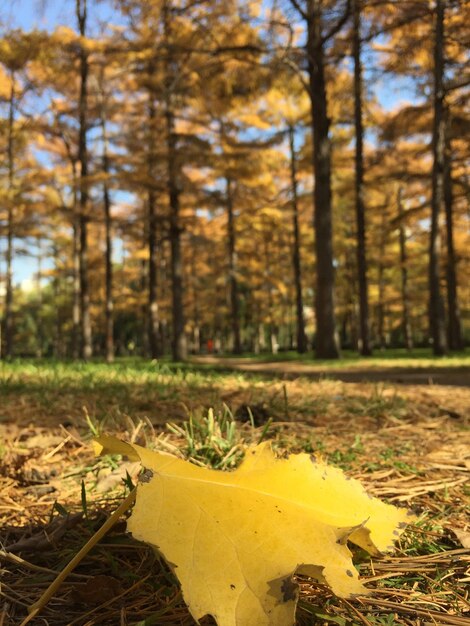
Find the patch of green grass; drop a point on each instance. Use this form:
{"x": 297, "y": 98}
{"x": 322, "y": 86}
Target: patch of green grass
{"x": 427, "y": 536}
{"x": 377, "y": 404}
{"x": 345, "y": 459}
{"x": 213, "y": 440}
{"x": 388, "y": 619}
{"x": 134, "y": 387}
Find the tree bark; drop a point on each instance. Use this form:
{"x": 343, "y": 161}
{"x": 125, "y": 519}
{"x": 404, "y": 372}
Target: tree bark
{"x": 86, "y": 340}
{"x": 365, "y": 347}
{"x": 41, "y": 339}
{"x": 8, "y": 319}
{"x": 454, "y": 330}
{"x": 143, "y": 325}
{"x": 381, "y": 287}
{"x": 109, "y": 302}
{"x": 153, "y": 313}
{"x": 436, "y": 305}
{"x": 179, "y": 345}
{"x": 299, "y": 305}
{"x": 75, "y": 343}
{"x": 76, "y": 326}
{"x": 58, "y": 347}
{"x": 232, "y": 269}
{"x": 325, "y": 344}
{"x": 405, "y": 296}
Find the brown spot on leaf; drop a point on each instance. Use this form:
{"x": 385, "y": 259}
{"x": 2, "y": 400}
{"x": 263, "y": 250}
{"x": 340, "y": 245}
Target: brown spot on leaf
{"x": 289, "y": 590}
{"x": 146, "y": 476}
{"x": 232, "y": 586}
{"x": 349, "y": 573}
{"x": 313, "y": 458}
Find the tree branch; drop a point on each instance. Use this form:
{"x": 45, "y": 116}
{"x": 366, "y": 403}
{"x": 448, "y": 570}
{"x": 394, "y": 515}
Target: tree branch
{"x": 339, "y": 24}
{"x": 299, "y": 9}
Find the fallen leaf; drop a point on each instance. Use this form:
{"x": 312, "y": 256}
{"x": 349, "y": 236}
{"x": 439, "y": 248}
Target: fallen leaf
{"x": 463, "y": 536}
{"x": 108, "y": 479}
{"x": 235, "y": 539}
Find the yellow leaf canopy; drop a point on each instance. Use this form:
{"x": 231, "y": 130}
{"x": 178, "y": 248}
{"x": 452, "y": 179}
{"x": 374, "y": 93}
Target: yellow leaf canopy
{"x": 234, "y": 539}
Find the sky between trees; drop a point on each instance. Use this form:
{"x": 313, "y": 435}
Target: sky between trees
{"x": 190, "y": 176}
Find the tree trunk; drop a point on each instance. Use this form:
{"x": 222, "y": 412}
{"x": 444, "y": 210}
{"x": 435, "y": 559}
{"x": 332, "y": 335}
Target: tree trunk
{"x": 76, "y": 326}
{"x": 144, "y": 307}
{"x": 40, "y": 338}
{"x": 454, "y": 331}
{"x": 8, "y": 319}
{"x": 404, "y": 275}
{"x": 75, "y": 342}
{"x": 381, "y": 287}
{"x": 179, "y": 346}
{"x": 299, "y": 305}
{"x": 232, "y": 269}
{"x": 109, "y": 304}
{"x": 58, "y": 347}
{"x": 365, "y": 347}
{"x": 326, "y": 344}
{"x": 436, "y": 305}
{"x": 86, "y": 341}
{"x": 153, "y": 313}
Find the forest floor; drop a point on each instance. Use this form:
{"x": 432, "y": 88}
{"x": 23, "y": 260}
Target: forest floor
{"x": 416, "y": 369}
{"x": 408, "y": 443}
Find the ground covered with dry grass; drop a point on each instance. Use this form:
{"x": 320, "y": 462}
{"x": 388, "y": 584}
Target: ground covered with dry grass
{"x": 408, "y": 444}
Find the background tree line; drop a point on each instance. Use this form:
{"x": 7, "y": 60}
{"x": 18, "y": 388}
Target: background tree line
{"x": 224, "y": 172}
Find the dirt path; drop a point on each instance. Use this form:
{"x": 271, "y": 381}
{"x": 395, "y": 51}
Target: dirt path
{"x": 452, "y": 376}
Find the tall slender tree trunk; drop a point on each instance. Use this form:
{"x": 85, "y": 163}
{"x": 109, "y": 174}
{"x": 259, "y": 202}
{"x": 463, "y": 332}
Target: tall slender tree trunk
{"x": 58, "y": 348}
{"x": 109, "y": 302}
{"x": 365, "y": 347}
{"x": 454, "y": 330}
{"x": 76, "y": 326}
{"x": 381, "y": 287}
{"x": 326, "y": 344}
{"x": 196, "y": 343}
{"x": 75, "y": 340}
{"x": 153, "y": 313}
{"x": 272, "y": 328}
{"x": 436, "y": 304}
{"x": 8, "y": 319}
{"x": 299, "y": 304}
{"x": 232, "y": 269}
{"x": 40, "y": 339}
{"x": 405, "y": 295}
{"x": 86, "y": 340}
{"x": 179, "y": 345}
{"x": 144, "y": 307}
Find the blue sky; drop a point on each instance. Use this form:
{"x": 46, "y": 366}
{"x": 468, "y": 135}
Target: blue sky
{"x": 47, "y": 14}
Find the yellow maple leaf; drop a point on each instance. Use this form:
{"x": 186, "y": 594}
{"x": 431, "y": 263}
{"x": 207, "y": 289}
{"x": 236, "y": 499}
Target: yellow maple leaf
{"x": 235, "y": 539}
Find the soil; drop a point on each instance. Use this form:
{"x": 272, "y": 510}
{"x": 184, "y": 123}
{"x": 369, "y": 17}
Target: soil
{"x": 451, "y": 376}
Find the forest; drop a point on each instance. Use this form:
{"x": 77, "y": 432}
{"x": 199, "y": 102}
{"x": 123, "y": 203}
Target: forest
{"x": 234, "y": 306}
{"x": 235, "y": 176}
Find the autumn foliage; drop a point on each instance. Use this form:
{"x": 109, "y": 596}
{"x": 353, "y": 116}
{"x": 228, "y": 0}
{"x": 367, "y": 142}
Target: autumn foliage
{"x": 236, "y": 176}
